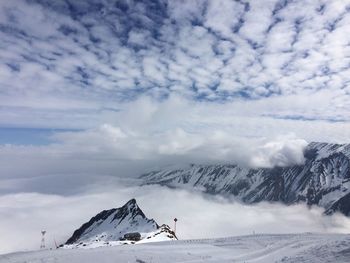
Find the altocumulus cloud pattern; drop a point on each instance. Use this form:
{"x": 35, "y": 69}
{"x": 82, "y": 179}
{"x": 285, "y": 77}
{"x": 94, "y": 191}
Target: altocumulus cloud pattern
{"x": 71, "y": 56}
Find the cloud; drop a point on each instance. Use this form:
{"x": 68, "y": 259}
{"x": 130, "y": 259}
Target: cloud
{"x": 75, "y": 60}
{"x": 110, "y": 151}
{"x": 147, "y": 133}
{"x": 24, "y": 215}
{"x": 280, "y": 153}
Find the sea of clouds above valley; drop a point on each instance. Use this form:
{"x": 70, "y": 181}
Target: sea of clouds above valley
{"x": 134, "y": 85}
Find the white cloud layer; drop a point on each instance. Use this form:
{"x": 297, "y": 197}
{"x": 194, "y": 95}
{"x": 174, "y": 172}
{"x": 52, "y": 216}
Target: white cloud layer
{"x": 24, "y": 215}
{"x": 147, "y": 133}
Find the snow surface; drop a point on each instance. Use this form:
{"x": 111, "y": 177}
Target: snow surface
{"x": 254, "y": 248}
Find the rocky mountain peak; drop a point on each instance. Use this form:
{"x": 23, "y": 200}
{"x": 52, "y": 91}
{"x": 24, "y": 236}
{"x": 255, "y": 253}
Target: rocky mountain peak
{"x": 111, "y": 225}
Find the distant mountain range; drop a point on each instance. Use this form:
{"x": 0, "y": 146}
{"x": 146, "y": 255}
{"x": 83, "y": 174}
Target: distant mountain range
{"x": 323, "y": 180}
{"x": 109, "y": 227}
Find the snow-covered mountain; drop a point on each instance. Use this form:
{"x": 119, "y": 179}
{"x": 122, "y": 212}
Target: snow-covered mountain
{"x": 323, "y": 180}
{"x": 109, "y": 227}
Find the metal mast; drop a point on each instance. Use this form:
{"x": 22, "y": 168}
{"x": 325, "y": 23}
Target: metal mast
{"x": 42, "y": 245}
{"x": 175, "y": 220}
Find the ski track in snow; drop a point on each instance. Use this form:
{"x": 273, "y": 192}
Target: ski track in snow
{"x": 254, "y": 248}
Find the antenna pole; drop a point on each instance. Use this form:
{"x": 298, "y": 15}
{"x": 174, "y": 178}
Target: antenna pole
{"x": 175, "y": 220}
{"x": 42, "y": 245}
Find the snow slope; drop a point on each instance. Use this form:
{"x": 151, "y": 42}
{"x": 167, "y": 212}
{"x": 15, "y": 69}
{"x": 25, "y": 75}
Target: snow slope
{"x": 254, "y": 248}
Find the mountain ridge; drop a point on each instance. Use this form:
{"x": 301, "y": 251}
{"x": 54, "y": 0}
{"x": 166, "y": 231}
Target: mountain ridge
{"x": 323, "y": 179}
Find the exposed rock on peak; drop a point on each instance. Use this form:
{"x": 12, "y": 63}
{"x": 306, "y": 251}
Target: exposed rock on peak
{"x": 111, "y": 225}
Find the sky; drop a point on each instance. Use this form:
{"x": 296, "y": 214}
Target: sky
{"x": 162, "y": 82}
{"x": 93, "y": 90}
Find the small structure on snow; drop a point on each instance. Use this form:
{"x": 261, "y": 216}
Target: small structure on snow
{"x": 136, "y": 236}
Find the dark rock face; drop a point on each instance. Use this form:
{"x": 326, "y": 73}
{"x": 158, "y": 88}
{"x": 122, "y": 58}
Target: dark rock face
{"x": 79, "y": 232}
{"x": 342, "y": 205}
{"x": 114, "y": 223}
{"x": 323, "y": 180}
